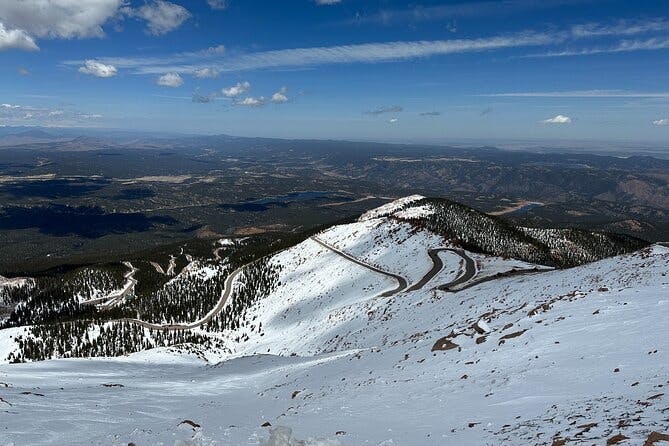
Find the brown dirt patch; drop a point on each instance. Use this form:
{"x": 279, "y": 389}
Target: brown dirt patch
{"x": 616, "y": 439}
{"x": 444, "y": 344}
{"x": 515, "y": 334}
{"x": 654, "y": 437}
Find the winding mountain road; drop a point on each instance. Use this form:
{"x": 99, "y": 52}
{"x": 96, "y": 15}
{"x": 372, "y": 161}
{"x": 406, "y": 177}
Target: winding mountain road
{"x": 227, "y": 291}
{"x": 437, "y": 265}
{"x": 117, "y": 296}
{"x": 401, "y": 281}
{"x": 466, "y": 278}
{"x": 501, "y": 275}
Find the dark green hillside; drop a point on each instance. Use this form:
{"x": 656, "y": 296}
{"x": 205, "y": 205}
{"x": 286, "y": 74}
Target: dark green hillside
{"x": 480, "y": 232}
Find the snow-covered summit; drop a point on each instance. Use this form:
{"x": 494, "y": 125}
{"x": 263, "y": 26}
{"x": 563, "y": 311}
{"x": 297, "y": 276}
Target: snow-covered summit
{"x": 390, "y": 208}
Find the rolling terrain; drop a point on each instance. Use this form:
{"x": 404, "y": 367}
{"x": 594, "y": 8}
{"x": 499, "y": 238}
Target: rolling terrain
{"x": 74, "y": 198}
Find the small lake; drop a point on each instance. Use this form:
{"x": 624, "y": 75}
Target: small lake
{"x": 262, "y": 204}
{"x": 528, "y": 207}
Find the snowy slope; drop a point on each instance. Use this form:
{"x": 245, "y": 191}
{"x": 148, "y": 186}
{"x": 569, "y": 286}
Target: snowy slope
{"x": 388, "y": 244}
{"x": 525, "y": 359}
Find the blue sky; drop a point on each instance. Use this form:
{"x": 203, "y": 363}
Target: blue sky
{"x": 418, "y": 71}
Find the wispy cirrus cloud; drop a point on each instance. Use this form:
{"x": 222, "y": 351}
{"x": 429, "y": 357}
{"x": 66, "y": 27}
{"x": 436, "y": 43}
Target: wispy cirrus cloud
{"x": 19, "y": 114}
{"x": 620, "y": 28}
{"x": 217, "y": 4}
{"x": 203, "y": 99}
{"x": 213, "y": 61}
{"x": 361, "y": 53}
{"x": 580, "y": 94}
{"x": 205, "y": 58}
{"x": 383, "y": 110}
{"x": 624, "y": 46}
{"x": 486, "y": 8}
{"x": 311, "y": 56}
{"x": 206, "y": 73}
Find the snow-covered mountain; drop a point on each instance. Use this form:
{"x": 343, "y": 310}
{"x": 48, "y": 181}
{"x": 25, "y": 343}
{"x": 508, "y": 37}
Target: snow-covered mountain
{"x": 384, "y": 331}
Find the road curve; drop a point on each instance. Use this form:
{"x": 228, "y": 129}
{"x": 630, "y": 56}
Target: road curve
{"x": 401, "y": 281}
{"x": 501, "y": 275}
{"x": 438, "y": 265}
{"x": 227, "y": 291}
{"x": 117, "y": 296}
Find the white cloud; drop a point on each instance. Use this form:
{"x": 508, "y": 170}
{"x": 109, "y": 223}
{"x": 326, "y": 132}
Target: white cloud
{"x": 486, "y": 8}
{"x": 98, "y": 69}
{"x": 162, "y": 16}
{"x": 620, "y": 28}
{"x": 13, "y": 114}
{"x": 236, "y": 90}
{"x": 393, "y": 120}
{"x": 252, "y": 102}
{"x": 298, "y": 57}
{"x": 214, "y": 59}
{"x": 624, "y": 46}
{"x": 581, "y": 94}
{"x": 172, "y": 80}
{"x": 16, "y": 39}
{"x": 211, "y": 51}
{"x": 559, "y": 119}
{"x": 217, "y": 4}
{"x": 280, "y": 96}
{"x": 382, "y": 110}
{"x": 327, "y": 2}
{"x": 203, "y": 99}
{"x": 23, "y": 71}
{"x": 378, "y": 52}
{"x": 59, "y": 18}
{"x": 204, "y": 73}
{"x": 661, "y": 122}
{"x": 206, "y": 54}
